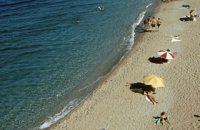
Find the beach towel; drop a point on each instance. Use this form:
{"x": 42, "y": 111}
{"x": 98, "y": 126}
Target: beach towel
{"x": 175, "y": 40}
{"x": 158, "y": 120}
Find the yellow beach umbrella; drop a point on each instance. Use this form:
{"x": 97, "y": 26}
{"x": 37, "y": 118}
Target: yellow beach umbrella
{"x": 153, "y": 80}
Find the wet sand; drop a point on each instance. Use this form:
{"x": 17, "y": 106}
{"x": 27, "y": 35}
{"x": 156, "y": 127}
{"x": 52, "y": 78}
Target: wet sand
{"x": 113, "y": 106}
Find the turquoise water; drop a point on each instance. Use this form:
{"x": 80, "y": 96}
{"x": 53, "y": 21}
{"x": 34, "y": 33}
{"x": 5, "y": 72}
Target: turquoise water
{"x": 53, "y": 52}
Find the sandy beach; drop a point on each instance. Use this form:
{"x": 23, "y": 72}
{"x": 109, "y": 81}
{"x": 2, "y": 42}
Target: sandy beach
{"x": 113, "y": 106}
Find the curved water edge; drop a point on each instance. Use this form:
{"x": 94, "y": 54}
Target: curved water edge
{"x": 67, "y": 109}
{"x": 132, "y": 38}
{"x": 60, "y": 115}
{"x": 76, "y": 102}
{"x": 55, "y": 53}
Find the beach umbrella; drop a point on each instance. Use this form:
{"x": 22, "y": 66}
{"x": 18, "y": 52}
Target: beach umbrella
{"x": 153, "y": 80}
{"x": 166, "y": 54}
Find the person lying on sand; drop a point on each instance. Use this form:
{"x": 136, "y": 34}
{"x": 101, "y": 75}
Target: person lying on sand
{"x": 175, "y": 38}
{"x": 150, "y": 96}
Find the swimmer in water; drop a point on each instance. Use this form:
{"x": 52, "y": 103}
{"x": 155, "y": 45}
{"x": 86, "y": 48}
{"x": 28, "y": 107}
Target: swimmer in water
{"x": 101, "y": 7}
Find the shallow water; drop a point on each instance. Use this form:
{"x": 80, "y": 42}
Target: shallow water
{"x": 53, "y": 53}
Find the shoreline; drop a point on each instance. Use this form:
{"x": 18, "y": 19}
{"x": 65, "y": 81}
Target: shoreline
{"x": 102, "y": 90}
{"x": 138, "y": 37}
{"x": 98, "y": 84}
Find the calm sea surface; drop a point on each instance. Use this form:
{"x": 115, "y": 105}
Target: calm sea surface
{"x": 53, "y": 52}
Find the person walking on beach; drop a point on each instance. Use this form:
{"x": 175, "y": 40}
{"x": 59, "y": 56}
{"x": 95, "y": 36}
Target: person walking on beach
{"x": 158, "y": 23}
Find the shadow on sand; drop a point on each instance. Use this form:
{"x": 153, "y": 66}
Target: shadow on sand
{"x": 157, "y": 60}
{"x": 141, "y": 87}
{"x": 197, "y": 116}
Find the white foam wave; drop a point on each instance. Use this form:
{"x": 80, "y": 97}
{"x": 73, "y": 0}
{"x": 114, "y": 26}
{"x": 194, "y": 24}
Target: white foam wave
{"x": 148, "y": 5}
{"x": 72, "y": 104}
{"x": 139, "y": 19}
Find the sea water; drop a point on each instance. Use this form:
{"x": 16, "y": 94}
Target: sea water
{"x": 54, "y": 52}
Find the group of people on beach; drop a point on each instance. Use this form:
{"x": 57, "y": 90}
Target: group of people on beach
{"x": 152, "y": 24}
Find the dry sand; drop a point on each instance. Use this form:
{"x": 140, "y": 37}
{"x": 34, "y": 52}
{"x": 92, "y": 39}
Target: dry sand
{"x": 113, "y": 106}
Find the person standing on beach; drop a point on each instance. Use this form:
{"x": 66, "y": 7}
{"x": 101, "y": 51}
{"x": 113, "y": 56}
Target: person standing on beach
{"x": 146, "y": 24}
{"x": 153, "y": 23}
{"x": 149, "y": 19}
{"x": 158, "y": 23}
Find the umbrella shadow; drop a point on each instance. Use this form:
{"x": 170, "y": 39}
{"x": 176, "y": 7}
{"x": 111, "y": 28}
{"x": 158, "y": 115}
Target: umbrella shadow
{"x": 157, "y": 60}
{"x": 186, "y": 18}
{"x": 141, "y": 87}
{"x": 197, "y": 116}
